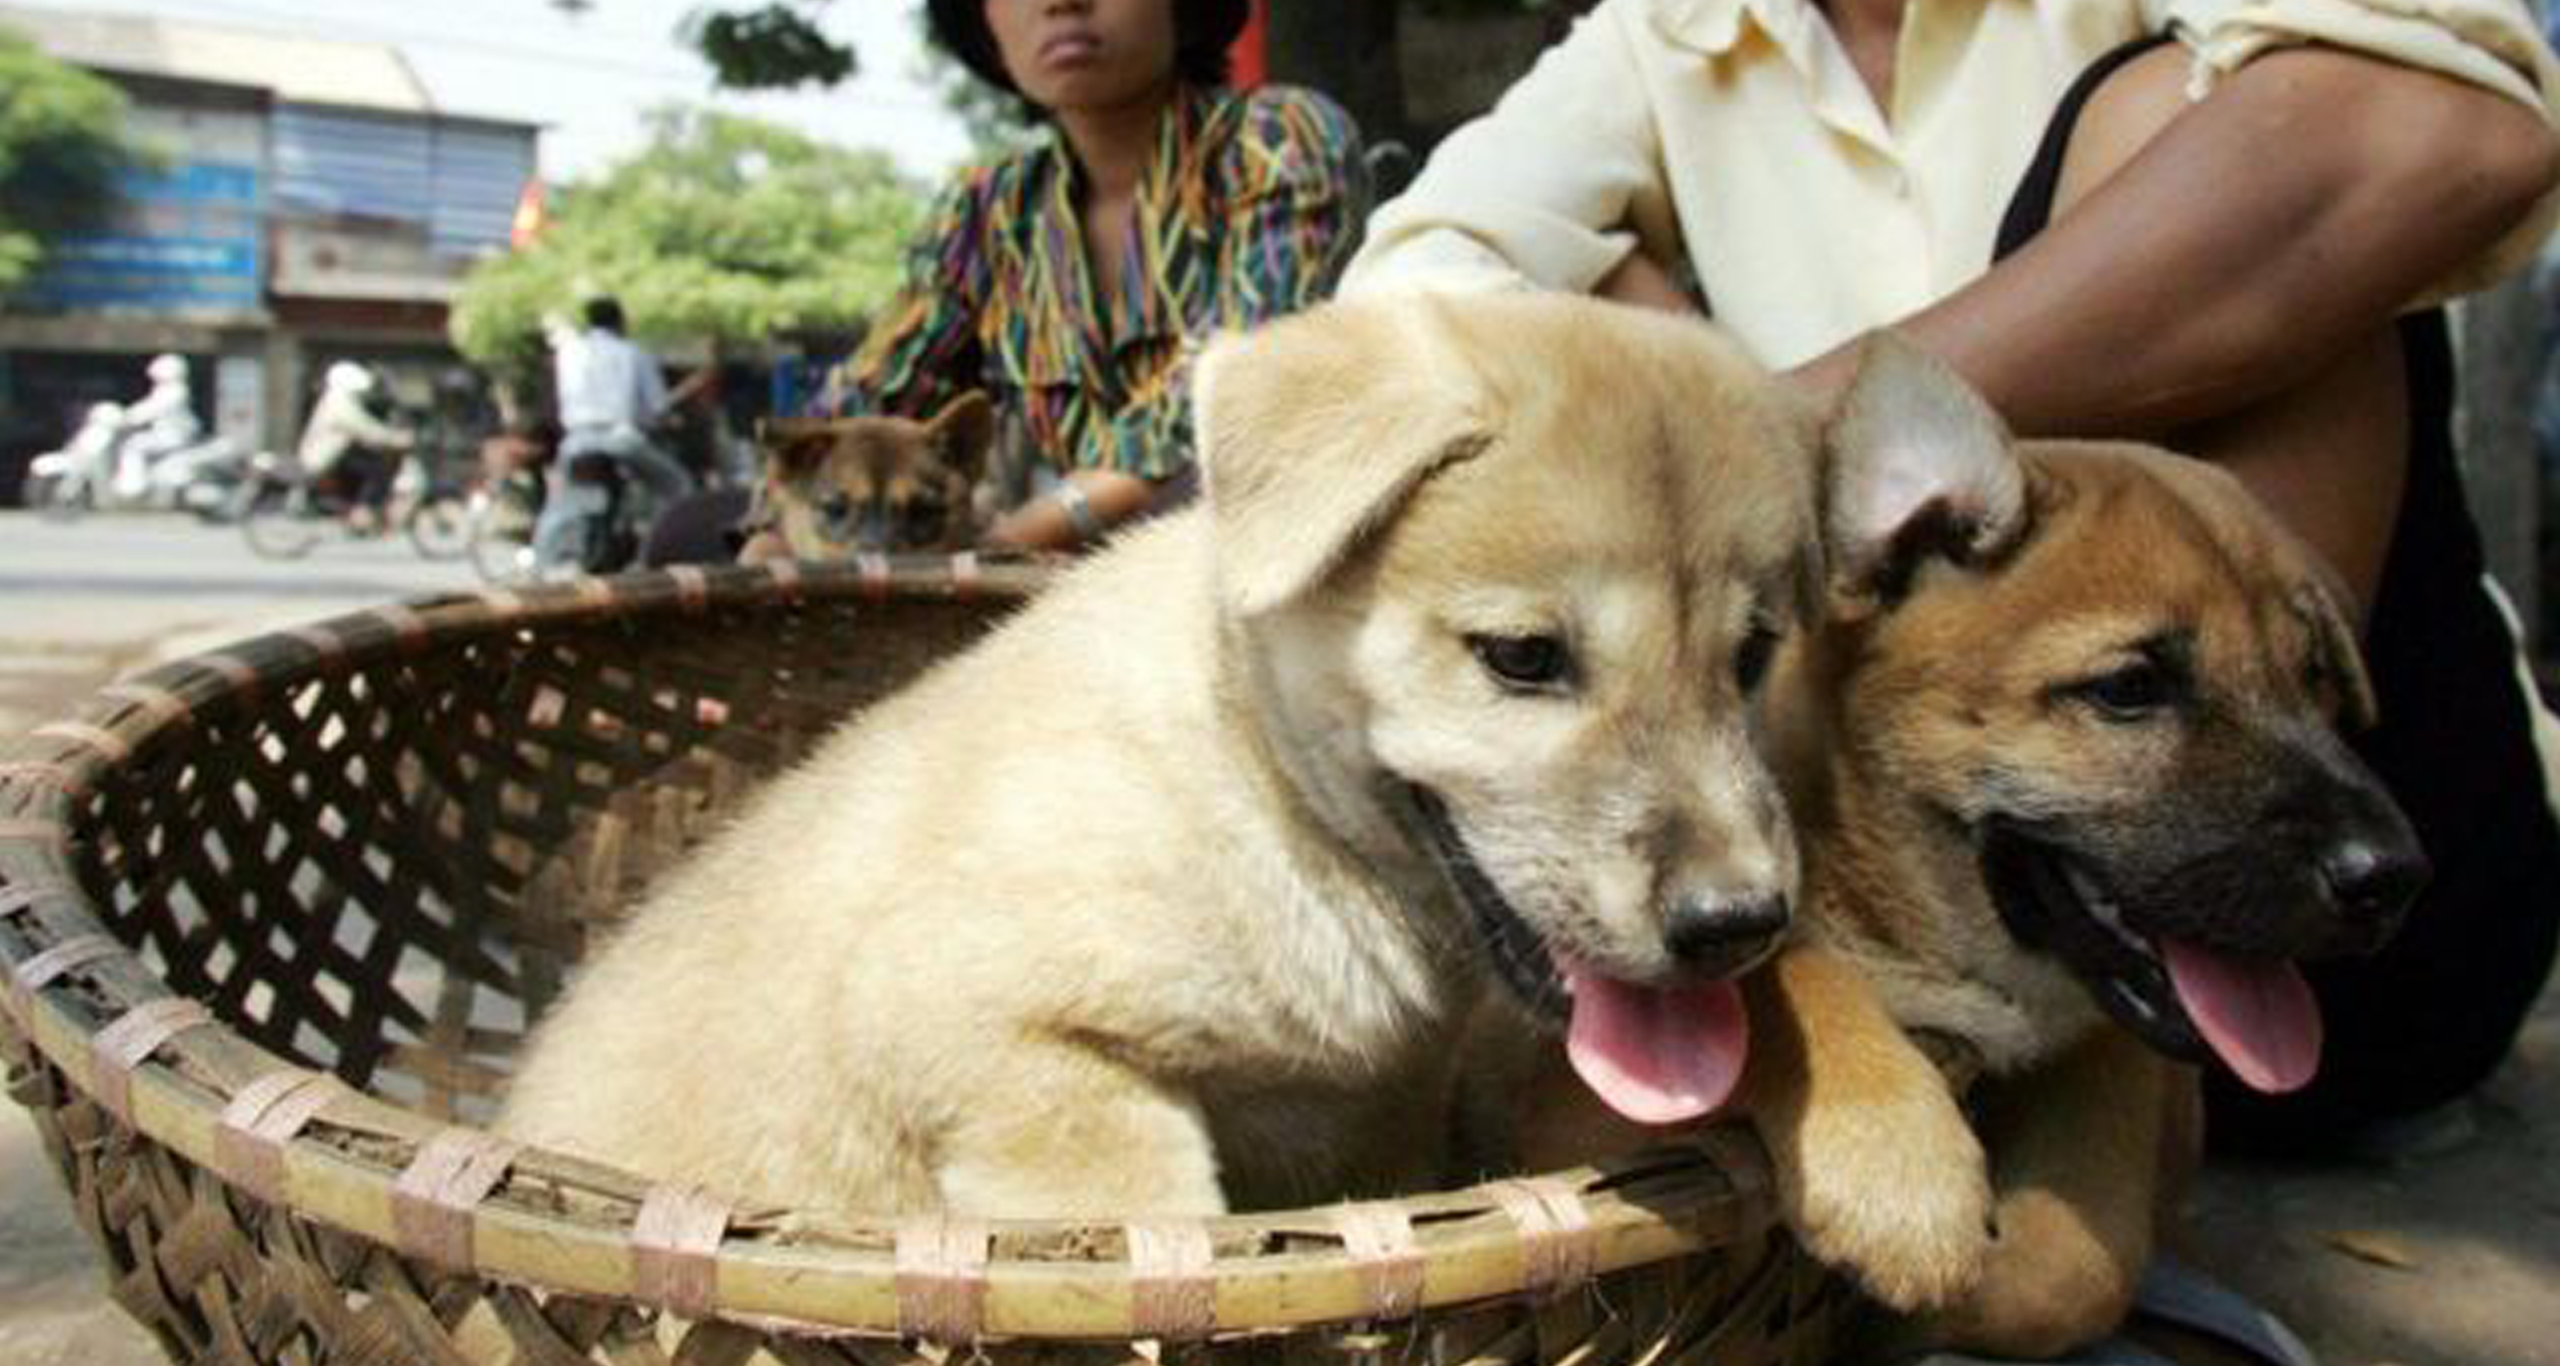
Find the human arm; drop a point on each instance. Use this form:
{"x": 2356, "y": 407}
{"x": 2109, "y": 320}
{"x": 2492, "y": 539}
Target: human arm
{"x": 1050, "y": 523}
{"x": 164, "y": 403}
{"x": 2498, "y": 46}
{"x": 2391, "y": 177}
{"x": 1540, "y": 191}
{"x": 698, "y": 381}
{"x": 358, "y": 422}
{"x": 1641, "y": 280}
{"x": 764, "y": 545}
{"x": 2248, "y": 325}
{"x": 651, "y": 400}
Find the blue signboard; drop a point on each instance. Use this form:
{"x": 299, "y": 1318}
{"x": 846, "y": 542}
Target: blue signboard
{"x": 185, "y": 236}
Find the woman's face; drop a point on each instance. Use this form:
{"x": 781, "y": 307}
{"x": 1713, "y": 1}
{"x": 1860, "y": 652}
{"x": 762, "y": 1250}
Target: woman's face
{"x": 1085, "y": 54}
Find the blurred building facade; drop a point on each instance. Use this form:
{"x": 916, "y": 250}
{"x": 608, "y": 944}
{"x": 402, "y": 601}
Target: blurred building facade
{"x": 310, "y": 203}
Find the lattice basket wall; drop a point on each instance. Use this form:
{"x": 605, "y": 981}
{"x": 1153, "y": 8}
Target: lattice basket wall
{"x": 273, "y": 920}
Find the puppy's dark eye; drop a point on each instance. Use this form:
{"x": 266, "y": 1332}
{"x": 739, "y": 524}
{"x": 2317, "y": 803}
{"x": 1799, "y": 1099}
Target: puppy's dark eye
{"x": 1535, "y": 663}
{"x": 836, "y": 507}
{"x": 2134, "y": 692}
{"x": 1751, "y": 661}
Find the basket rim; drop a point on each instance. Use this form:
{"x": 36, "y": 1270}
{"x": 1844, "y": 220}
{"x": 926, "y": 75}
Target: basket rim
{"x": 278, "y": 1135}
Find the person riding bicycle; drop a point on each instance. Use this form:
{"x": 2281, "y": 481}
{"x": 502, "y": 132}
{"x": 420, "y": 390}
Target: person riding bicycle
{"x": 347, "y": 449}
{"x": 610, "y": 393}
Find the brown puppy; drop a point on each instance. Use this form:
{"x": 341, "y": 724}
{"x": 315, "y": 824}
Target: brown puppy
{"x": 878, "y": 485}
{"x": 2071, "y": 793}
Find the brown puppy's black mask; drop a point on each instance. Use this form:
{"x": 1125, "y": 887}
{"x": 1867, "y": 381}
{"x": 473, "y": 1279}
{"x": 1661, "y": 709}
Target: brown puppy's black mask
{"x": 878, "y": 485}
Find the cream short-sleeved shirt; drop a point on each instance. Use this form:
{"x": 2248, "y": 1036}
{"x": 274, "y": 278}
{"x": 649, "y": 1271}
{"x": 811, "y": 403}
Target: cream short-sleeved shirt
{"x": 1737, "y": 134}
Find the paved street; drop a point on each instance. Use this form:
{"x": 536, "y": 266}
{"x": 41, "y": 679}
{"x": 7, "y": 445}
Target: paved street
{"x": 80, "y": 602}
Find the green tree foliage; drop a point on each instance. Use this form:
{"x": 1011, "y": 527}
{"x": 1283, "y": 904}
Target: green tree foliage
{"x": 771, "y": 46}
{"x": 61, "y": 146}
{"x": 725, "y": 229}
{"x": 777, "y": 44}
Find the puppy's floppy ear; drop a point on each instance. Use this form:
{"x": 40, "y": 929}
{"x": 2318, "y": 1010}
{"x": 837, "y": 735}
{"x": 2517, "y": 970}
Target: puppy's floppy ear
{"x": 795, "y": 446}
{"x": 964, "y": 431}
{"x": 1313, "y": 432}
{"x": 1917, "y": 465}
{"x": 2321, "y": 602}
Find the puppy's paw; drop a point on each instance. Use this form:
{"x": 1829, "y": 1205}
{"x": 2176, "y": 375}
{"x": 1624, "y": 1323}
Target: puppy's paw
{"x": 1897, "y": 1193}
{"x": 2049, "y": 1285}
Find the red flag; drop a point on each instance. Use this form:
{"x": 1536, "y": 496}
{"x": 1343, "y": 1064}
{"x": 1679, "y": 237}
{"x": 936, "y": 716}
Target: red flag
{"x": 530, "y": 218}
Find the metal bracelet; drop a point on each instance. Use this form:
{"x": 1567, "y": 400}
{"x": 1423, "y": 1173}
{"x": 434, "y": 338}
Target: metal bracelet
{"x": 1079, "y": 510}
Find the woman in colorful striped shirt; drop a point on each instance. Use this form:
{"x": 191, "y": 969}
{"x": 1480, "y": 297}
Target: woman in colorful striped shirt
{"x": 1068, "y": 279}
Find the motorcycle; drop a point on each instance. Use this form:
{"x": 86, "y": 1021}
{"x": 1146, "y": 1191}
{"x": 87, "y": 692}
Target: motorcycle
{"x": 63, "y": 483}
{"x": 200, "y": 476}
{"x": 600, "y": 518}
{"x": 602, "y": 533}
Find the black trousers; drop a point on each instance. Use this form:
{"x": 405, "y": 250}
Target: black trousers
{"x": 2427, "y": 1018}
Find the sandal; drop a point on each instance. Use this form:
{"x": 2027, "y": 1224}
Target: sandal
{"x": 2176, "y": 1295}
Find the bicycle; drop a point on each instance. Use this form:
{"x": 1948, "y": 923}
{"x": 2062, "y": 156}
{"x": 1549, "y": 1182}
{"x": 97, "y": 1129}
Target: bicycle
{"x": 285, "y": 512}
{"x": 432, "y": 509}
{"x": 499, "y": 516}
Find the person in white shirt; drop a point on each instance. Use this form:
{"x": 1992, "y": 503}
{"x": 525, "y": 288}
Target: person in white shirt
{"x": 610, "y": 393}
{"x": 2217, "y": 224}
{"x": 345, "y": 442}
{"x": 162, "y": 421}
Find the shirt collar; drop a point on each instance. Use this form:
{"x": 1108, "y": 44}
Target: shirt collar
{"x": 1708, "y": 26}
{"x": 1712, "y": 27}
{"x": 1177, "y": 132}
{"x": 1170, "y": 200}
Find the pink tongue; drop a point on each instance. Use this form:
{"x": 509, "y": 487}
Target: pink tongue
{"x": 1656, "y": 1056}
{"x": 2256, "y": 1012}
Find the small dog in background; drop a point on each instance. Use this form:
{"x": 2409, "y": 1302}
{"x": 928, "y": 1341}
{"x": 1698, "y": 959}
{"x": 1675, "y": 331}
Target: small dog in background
{"x": 842, "y": 486}
{"x": 836, "y": 487}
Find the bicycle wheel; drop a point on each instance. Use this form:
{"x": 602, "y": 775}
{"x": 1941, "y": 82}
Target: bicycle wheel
{"x": 439, "y": 527}
{"x": 499, "y": 539}
{"x": 278, "y": 521}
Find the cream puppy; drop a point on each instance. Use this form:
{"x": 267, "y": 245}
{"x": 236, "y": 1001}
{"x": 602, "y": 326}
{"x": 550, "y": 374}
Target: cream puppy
{"x": 1176, "y": 893}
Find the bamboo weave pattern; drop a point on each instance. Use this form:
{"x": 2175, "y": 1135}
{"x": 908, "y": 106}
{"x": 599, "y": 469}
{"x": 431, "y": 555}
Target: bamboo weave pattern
{"x": 273, "y": 921}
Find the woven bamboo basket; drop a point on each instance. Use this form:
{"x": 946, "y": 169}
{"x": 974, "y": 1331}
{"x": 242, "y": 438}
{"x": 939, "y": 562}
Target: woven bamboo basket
{"x": 274, "y": 918}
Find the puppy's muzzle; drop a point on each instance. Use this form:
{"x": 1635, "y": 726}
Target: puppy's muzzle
{"x": 1723, "y": 936}
{"x": 2370, "y": 879}
{"x": 2365, "y": 869}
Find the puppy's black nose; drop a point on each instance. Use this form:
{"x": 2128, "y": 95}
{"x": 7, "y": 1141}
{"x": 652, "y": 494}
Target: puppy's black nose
{"x": 2372, "y": 881}
{"x": 1723, "y": 934}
